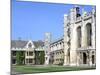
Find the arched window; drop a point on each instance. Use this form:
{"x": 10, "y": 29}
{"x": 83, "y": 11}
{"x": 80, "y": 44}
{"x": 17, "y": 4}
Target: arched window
{"x": 30, "y": 45}
{"x": 79, "y": 36}
{"x": 89, "y": 33}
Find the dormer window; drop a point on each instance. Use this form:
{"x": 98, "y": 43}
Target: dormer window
{"x": 30, "y": 45}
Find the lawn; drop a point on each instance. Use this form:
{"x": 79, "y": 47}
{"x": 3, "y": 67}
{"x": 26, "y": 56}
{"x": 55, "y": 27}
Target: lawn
{"x": 41, "y": 69}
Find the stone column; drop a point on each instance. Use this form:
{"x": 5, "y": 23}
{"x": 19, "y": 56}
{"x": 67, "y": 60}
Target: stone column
{"x": 93, "y": 27}
{"x": 66, "y": 57}
{"x": 90, "y": 58}
{"x": 73, "y": 37}
{"x": 74, "y": 46}
{"x": 94, "y": 32}
{"x": 84, "y": 32}
{"x": 84, "y": 37}
{"x": 65, "y": 40}
{"x": 78, "y": 58}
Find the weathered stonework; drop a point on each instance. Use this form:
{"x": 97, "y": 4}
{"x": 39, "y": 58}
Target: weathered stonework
{"x": 79, "y": 38}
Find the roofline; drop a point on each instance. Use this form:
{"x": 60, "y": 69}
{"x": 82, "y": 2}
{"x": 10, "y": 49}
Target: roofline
{"x": 56, "y": 41}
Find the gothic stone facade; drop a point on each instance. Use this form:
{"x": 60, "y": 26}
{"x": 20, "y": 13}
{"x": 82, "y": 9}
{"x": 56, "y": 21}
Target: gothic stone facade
{"x": 77, "y": 46}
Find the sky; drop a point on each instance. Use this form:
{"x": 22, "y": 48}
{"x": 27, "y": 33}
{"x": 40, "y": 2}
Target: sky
{"x": 31, "y": 20}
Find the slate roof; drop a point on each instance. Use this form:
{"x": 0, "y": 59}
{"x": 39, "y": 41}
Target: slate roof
{"x": 38, "y": 43}
{"x": 57, "y": 40}
{"x": 22, "y": 43}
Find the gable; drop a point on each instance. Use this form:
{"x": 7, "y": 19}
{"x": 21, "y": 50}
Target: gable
{"x": 30, "y": 44}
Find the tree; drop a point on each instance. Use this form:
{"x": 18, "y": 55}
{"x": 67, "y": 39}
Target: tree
{"x": 20, "y": 56}
{"x": 42, "y": 59}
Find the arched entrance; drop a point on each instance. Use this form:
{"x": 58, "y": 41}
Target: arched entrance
{"x": 89, "y": 33}
{"x": 84, "y": 58}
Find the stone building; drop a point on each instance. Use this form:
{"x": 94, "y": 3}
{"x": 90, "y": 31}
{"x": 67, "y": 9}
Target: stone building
{"x": 79, "y": 37}
{"x": 27, "y": 52}
{"x": 57, "y": 52}
{"x": 75, "y": 48}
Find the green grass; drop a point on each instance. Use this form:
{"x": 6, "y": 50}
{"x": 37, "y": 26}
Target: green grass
{"x": 43, "y": 69}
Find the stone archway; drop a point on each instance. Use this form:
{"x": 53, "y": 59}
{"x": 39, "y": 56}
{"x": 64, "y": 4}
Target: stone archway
{"x": 84, "y": 58}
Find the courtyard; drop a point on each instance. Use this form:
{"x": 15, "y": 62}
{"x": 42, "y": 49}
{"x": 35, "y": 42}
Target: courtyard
{"x": 26, "y": 69}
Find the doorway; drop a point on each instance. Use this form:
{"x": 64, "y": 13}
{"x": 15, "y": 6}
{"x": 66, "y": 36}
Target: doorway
{"x": 84, "y": 58}
{"x": 92, "y": 59}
